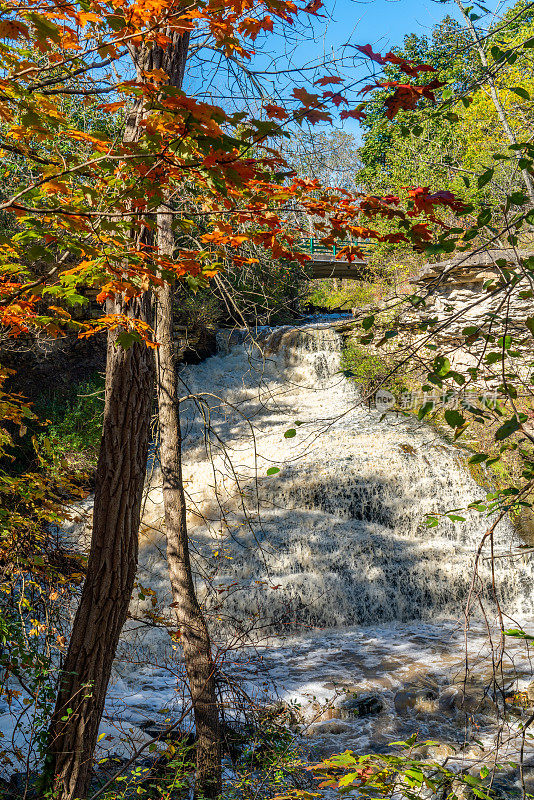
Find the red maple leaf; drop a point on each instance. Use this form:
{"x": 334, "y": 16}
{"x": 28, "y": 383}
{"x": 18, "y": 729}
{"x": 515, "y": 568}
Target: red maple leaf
{"x": 305, "y": 97}
{"x": 313, "y": 7}
{"x": 355, "y": 113}
{"x": 275, "y": 112}
{"x": 328, "y": 79}
{"x": 367, "y": 50}
{"x": 405, "y": 97}
{"x": 408, "y": 67}
{"x": 335, "y": 97}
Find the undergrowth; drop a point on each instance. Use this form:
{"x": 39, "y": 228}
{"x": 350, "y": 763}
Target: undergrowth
{"x": 370, "y": 369}
{"x": 351, "y": 294}
{"x": 72, "y": 425}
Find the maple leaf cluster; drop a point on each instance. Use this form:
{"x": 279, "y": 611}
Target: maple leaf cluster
{"x": 90, "y": 212}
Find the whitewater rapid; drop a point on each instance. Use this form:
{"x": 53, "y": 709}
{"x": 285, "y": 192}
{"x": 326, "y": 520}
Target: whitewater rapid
{"x": 322, "y": 584}
{"x": 337, "y": 536}
{"x": 326, "y": 569}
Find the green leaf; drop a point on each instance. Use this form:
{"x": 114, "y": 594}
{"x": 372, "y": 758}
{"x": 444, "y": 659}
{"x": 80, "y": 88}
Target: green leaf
{"x": 518, "y": 198}
{"x": 368, "y": 323}
{"x": 454, "y": 419}
{"x": 529, "y": 322}
{"x": 442, "y": 366}
{"x": 126, "y": 339}
{"x": 517, "y": 633}
{"x": 520, "y": 92}
{"x": 479, "y": 458}
{"x": 510, "y": 426}
{"x": 425, "y": 409}
{"x": 273, "y": 470}
{"x": 485, "y": 177}
{"x": 290, "y": 433}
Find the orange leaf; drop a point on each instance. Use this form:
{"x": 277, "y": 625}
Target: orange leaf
{"x": 87, "y": 16}
{"x": 112, "y": 106}
{"x": 13, "y": 29}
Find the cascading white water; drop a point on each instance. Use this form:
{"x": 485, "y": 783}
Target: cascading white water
{"x": 334, "y": 539}
{"x": 337, "y": 536}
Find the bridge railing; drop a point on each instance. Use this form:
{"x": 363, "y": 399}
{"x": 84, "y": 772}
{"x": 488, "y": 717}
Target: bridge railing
{"x": 313, "y": 246}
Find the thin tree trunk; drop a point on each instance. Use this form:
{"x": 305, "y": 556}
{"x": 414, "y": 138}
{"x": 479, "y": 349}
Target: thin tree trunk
{"x": 194, "y": 635}
{"x": 112, "y": 562}
{"x": 527, "y": 178}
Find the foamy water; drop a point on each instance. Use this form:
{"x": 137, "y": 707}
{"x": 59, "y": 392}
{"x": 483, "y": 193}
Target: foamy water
{"x": 331, "y": 553}
{"x": 337, "y": 536}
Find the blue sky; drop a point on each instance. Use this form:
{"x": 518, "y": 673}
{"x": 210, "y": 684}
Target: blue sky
{"x": 385, "y": 22}
{"x": 319, "y": 40}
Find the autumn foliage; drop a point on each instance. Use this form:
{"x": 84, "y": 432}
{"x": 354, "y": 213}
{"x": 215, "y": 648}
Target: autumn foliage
{"x": 87, "y": 193}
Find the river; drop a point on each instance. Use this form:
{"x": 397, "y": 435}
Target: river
{"x": 324, "y": 587}
{"x": 348, "y": 604}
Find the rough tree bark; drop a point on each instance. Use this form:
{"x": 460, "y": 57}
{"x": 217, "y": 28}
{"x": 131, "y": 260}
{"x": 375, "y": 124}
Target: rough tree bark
{"x": 112, "y": 562}
{"x": 194, "y": 635}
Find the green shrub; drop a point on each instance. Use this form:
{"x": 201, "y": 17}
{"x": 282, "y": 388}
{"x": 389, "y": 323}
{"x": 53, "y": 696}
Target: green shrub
{"x": 370, "y": 369}
{"x": 73, "y": 424}
{"x": 324, "y": 294}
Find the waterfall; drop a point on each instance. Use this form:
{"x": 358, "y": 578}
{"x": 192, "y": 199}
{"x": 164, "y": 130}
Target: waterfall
{"x": 337, "y": 536}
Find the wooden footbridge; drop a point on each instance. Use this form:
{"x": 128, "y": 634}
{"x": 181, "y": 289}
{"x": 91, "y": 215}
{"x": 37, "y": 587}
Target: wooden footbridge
{"x": 324, "y": 264}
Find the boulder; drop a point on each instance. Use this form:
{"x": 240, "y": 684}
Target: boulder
{"x": 362, "y": 705}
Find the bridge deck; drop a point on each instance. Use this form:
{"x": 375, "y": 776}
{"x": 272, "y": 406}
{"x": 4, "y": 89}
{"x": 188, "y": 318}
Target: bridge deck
{"x": 324, "y": 263}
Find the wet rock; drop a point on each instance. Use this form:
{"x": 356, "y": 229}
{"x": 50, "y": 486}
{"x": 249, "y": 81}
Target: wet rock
{"x": 450, "y": 699}
{"x": 362, "y": 705}
{"x": 329, "y": 713}
{"x": 439, "y": 752}
{"x": 461, "y": 791}
{"x": 167, "y": 732}
{"x": 404, "y": 701}
{"x": 426, "y": 701}
{"x": 331, "y": 727}
{"x": 455, "y": 698}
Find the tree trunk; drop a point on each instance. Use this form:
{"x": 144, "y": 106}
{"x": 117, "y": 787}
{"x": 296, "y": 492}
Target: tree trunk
{"x": 112, "y": 562}
{"x": 194, "y": 635}
{"x": 527, "y": 178}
